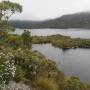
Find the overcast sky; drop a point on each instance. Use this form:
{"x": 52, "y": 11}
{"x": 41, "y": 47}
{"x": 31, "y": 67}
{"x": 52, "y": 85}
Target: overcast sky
{"x": 48, "y": 9}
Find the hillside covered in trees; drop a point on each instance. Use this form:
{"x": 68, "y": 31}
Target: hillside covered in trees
{"x": 78, "y": 20}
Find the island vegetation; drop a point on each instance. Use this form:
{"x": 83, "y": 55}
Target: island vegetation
{"x": 64, "y": 42}
{"x": 19, "y": 63}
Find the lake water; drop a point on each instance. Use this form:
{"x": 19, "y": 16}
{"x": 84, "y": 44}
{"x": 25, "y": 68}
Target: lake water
{"x": 74, "y": 33}
{"x": 73, "y": 62}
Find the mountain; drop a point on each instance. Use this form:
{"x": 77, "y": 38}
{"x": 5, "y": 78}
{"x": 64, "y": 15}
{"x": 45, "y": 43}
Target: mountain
{"x": 78, "y": 20}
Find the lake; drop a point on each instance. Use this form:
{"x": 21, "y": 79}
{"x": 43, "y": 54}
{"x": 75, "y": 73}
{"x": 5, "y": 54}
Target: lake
{"x": 73, "y": 62}
{"x": 74, "y": 33}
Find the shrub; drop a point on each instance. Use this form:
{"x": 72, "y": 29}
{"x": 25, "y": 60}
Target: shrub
{"x": 46, "y": 84}
{"x": 74, "y": 83}
{"x": 7, "y": 68}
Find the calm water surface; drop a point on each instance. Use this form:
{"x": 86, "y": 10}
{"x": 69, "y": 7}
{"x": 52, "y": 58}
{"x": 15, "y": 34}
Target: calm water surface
{"x": 74, "y": 62}
{"x": 74, "y": 33}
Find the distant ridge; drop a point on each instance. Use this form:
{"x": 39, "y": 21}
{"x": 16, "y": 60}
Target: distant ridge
{"x": 78, "y": 20}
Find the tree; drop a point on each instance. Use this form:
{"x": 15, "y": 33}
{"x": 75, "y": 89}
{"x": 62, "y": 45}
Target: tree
{"x": 27, "y": 39}
{"x": 7, "y": 9}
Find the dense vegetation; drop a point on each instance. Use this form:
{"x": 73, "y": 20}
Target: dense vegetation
{"x": 33, "y": 69}
{"x": 64, "y": 42}
{"x": 78, "y": 20}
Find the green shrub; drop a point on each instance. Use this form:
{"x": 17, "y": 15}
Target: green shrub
{"x": 46, "y": 84}
{"x": 19, "y": 74}
{"x": 74, "y": 83}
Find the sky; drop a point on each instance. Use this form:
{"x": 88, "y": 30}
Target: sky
{"x": 49, "y": 9}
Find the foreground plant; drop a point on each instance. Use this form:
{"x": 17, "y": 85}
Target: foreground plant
{"x": 7, "y": 68}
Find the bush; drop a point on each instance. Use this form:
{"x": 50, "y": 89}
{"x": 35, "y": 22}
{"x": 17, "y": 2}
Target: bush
{"x": 46, "y": 84}
{"x": 7, "y": 67}
{"x": 74, "y": 83}
{"x": 19, "y": 75}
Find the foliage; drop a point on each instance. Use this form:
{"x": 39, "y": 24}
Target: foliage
{"x": 46, "y": 84}
{"x": 74, "y": 83}
{"x": 33, "y": 69}
{"x": 14, "y": 41}
{"x": 7, "y": 9}
{"x": 63, "y": 42}
{"x": 7, "y": 68}
{"x": 19, "y": 75}
{"x": 26, "y": 37}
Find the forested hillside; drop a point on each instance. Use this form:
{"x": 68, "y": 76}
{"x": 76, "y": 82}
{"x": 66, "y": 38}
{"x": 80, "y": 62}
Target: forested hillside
{"x": 78, "y": 20}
